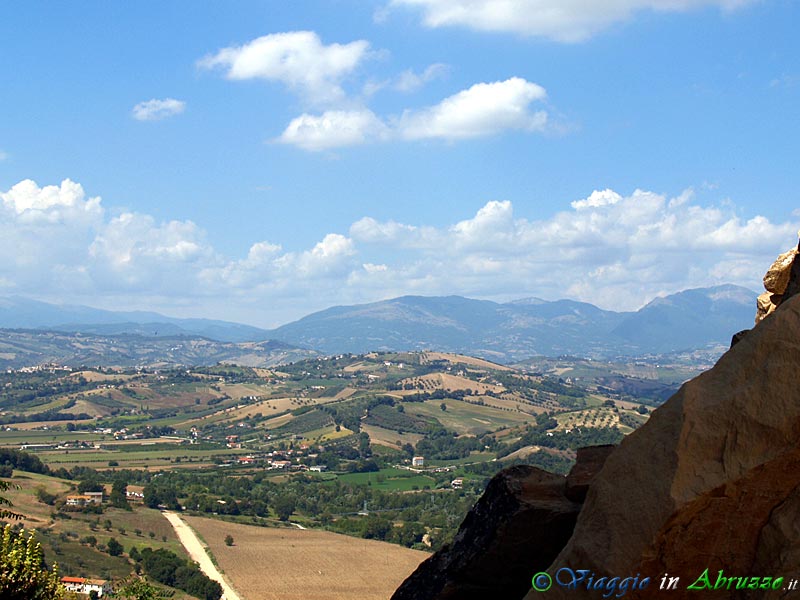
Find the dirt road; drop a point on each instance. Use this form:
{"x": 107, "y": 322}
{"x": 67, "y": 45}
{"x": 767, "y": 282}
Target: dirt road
{"x": 198, "y": 553}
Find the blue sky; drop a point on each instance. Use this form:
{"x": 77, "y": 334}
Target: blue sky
{"x": 256, "y": 161}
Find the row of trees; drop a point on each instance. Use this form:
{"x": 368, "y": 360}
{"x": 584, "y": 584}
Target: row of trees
{"x": 170, "y": 569}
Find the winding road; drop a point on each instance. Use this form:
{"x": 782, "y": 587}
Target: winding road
{"x": 198, "y": 552}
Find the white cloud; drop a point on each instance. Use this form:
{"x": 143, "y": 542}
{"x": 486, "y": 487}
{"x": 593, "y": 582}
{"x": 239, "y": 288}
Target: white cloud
{"x": 334, "y": 129}
{"x": 597, "y": 199}
{"x": 618, "y": 251}
{"x": 133, "y": 242}
{"x": 3, "y": 155}
{"x": 45, "y": 232}
{"x": 560, "y": 20}
{"x": 50, "y": 203}
{"x": 156, "y": 110}
{"x": 611, "y": 249}
{"x": 482, "y": 110}
{"x": 297, "y": 59}
{"x": 409, "y": 81}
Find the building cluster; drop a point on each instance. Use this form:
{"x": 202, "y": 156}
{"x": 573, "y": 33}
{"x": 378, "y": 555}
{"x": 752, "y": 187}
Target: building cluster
{"x": 82, "y": 585}
{"x": 85, "y": 499}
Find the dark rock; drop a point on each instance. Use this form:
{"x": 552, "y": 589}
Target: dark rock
{"x": 587, "y": 464}
{"x": 737, "y": 337}
{"x": 516, "y": 529}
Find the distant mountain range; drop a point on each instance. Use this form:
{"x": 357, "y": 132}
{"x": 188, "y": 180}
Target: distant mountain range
{"x": 513, "y": 331}
{"x": 23, "y": 313}
{"x": 503, "y": 332}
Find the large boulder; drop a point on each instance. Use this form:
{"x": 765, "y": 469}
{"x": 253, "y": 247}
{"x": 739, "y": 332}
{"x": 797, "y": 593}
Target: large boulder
{"x": 781, "y": 282}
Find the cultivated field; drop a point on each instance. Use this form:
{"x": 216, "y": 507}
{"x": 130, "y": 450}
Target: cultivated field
{"x": 460, "y": 358}
{"x": 390, "y": 437}
{"x": 466, "y": 418}
{"x": 451, "y": 383}
{"x": 287, "y": 564}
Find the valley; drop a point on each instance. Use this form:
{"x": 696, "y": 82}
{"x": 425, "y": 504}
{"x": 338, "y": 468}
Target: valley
{"x": 392, "y": 447}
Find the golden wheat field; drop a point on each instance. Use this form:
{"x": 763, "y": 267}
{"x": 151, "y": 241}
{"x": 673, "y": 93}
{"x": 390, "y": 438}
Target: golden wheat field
{"x": 290, "y": 564}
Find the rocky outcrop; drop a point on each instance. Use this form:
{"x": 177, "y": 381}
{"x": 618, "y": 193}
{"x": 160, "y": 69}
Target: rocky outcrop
{"x": 519, "y": 525}
{"x": 780, "y": 282}
{"x": 706, "y": 481}
{"x": 588, "y": 463}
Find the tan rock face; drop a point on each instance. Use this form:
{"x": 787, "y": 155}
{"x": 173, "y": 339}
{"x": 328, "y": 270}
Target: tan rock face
{"x": 704, "y": 455}
{"x": 711, "y": 529}
{"x": 780, "y": 283}
{"x": 777, "y": 277}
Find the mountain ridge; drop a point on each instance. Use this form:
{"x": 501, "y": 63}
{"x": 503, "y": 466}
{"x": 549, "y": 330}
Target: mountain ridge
{"x": 505, "y": 332}
{"x": 515, "y": 330}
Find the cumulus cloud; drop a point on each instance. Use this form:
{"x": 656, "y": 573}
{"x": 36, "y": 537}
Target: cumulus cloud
{"x": 618, "y": 251}
{"x": 482, "y": 110}
{"x": 611, "y": 249}
{"x": 45, "y": 232}
{"x": 560, "y": 20}
{"x": 298, "y": 59}
{"x": 334, "y": 129}
{"x": 156, "y": 110}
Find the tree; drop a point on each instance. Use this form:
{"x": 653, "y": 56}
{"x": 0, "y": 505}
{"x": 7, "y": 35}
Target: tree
{"x": 284, "y": 507}
{"x": 443, "y": 406}
{"x": 137, "y": 588}
{"x": 92, "y": 484}
{"x": 229, "y": 540}
{"x": 114, "y": 547}
{"x": 22, "y": 572}
{"x": 4, "y": 512}
{"x": 119, "y": 496}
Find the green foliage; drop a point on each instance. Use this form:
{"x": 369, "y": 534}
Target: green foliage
{"x": 91, "y": 484}
{"x": 161, "y": 495}
{"x": 23, "y": 461}
{"x": 5, "y": 513}
{"x": 308, "y": 420}
{"x": 118, "y": 496}
{"x": 170, "y": 569}
{"x": 45, "y": 497}
{"x": 229, "y": 540}
{"x": 383, "y": 416}
{"x": 114, "y": 547}
{"x": 137, "y": 588}
{"x": 443, "y": 445}
{"x": 22, "y": 572}
{"x": 284, "y": 507}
